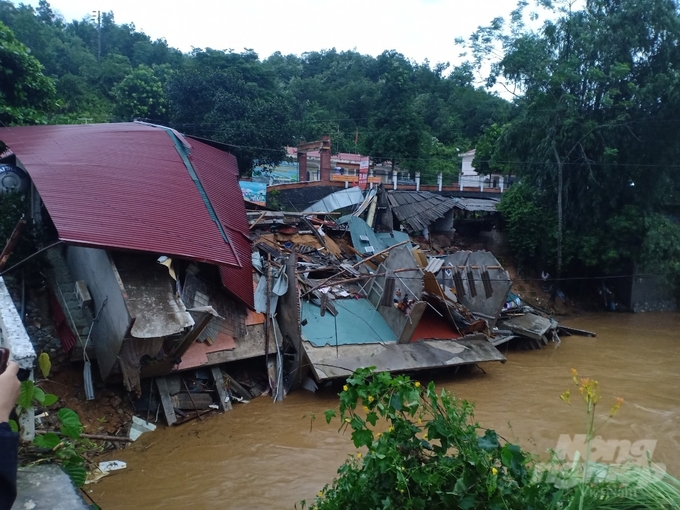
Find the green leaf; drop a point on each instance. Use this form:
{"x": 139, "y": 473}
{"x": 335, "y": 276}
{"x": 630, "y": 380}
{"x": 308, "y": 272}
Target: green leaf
{"x": 49, "y": 440}
{"x": 513, "y": 458}
{"x": 467, "y": 502}
{"x": 39, "y": 395}
{"x": 71, "y": 425}
{"x": 45, "y": 364}
{"x": 459, "y": 488}
{"x": 362, "y": 437}
{"x": 76, "y": 471}
{"x": 330, "y": 414}
{"x": 14, "y": 426}
{"x": 489, "y": 441}
{"x": 50, "y": 399}
{"x": 372, "y": 418}
{"x": 26, "y": 394}
{"x": 395, "y": 402}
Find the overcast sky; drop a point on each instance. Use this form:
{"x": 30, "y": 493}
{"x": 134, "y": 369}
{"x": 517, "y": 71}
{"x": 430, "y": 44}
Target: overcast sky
{"x": 420, "y": 29}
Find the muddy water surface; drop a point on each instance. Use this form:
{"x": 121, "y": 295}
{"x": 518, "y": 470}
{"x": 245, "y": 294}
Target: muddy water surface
{"x": 263, "y": 455}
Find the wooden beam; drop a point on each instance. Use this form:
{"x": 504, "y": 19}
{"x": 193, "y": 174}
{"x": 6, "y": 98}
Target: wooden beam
{"x": 166, "y": 400}
{"x": 225, "y": 401}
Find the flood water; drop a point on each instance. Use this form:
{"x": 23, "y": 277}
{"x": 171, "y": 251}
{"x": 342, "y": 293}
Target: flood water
{"x": 263, "y": 455}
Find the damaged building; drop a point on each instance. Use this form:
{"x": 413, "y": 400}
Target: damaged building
{"x": 151, "y": 268}
{"x": 157, "y": 271}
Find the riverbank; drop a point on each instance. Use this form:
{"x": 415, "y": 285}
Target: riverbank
{"x": 263, "y": 455}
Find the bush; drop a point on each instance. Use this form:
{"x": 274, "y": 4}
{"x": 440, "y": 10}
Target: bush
{"x": 431, "y": 455}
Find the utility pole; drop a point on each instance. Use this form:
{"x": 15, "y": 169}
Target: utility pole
{"x": 97, "y": 16}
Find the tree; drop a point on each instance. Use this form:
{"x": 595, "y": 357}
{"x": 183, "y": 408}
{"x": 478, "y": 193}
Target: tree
{"x": 140, "y": 96}
{"x": 26, "y": 94}
{"x": 590, "y": 131}
{"x": 230, "y": 98}
{"x": 397, "y": 134}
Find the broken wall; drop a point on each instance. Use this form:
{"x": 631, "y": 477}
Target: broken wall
{"x": 288, "y": 319}
{"x": 406, "y": 285}
{"x": 444, "y": 224}
{"x": 485, "y": 299}
{"x": 96, "y": 267}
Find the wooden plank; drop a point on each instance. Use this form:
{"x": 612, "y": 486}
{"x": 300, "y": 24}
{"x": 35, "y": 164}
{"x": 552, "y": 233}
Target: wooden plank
{"x": 166, "y": 400}
{"x": 191, "y": 401}
{"x": 225, "y": 401}
{"x": 577, "y": 332}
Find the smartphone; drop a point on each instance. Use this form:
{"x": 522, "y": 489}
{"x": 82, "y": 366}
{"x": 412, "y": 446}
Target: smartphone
{"x": 4, "y": 358}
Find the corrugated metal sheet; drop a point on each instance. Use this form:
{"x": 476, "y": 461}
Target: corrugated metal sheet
{"x": 218, "y": 172}
{"x": 416, "y": 210}
{"x": 338, "y": 200}
{"x": 125, "y": 186}
{"x": 476, "y": 204}
{"x": 434, "y": 265}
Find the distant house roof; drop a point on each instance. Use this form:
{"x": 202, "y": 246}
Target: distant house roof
{"x": 418, "y": 209}
{"x": 139, "y": 187}
{"x": 476, "y": 204}
{"x": 340, "y": 156}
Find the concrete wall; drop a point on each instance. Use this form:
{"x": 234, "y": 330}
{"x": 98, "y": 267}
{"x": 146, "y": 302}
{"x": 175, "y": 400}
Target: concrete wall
{"x": 97, "y": 269}
{"x": 14, "y": 337}
{"x": 443, "y": 224}
{"x": 466, "y": 165}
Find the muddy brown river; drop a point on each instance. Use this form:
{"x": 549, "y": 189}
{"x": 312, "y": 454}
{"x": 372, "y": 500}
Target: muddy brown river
{"x": 263, "y": 455}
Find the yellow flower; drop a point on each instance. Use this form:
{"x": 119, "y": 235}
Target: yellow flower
{"x": 401, "y": 490}
{"x": 370, "y": 398}
{"x": 417, "y": 384}
{"x": 402, "y": 468}
{"x": 494, "y": 471}
{"x": 378, "y": 435}
{"x": 566, "y": 397}
{"x": 347, "y": 420}
{"x": 358, "y": 455}
{"x": 345, "y": 388}
{"x": 390, "y": 429}
{"x": 319, "y": 495}
{"x": 420, "y": 421}
{"x": 366, "y": 408}
{"x": 424, "y": 436}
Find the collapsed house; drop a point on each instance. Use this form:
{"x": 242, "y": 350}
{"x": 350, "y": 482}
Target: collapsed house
{"x": 358, "y": 294}
{"x": 158, "y": 271}
{"x": 151, "y": 269}
{"x": 355, "y": 297}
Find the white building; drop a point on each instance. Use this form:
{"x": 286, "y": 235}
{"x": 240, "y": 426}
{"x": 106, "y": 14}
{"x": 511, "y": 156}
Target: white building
{"x": 469, "y": 178}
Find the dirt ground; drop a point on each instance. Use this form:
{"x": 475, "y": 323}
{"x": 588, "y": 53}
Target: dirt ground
{"x": 108, "y": 414}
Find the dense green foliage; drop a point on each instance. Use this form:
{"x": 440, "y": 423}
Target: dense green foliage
{"x": 26, "y": 94}
{"x": 421, "y": 449}
{"x": 595, "y": 126}
{"x": 415, "y": 115}
{"x": 432, "y": 455}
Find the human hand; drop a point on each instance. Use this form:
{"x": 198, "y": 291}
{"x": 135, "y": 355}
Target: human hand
{"x": 9, "y": 390}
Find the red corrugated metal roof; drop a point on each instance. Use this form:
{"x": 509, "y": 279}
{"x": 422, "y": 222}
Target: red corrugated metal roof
{"x": 215, "y": 168}
{"x": 125, "y": 186}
